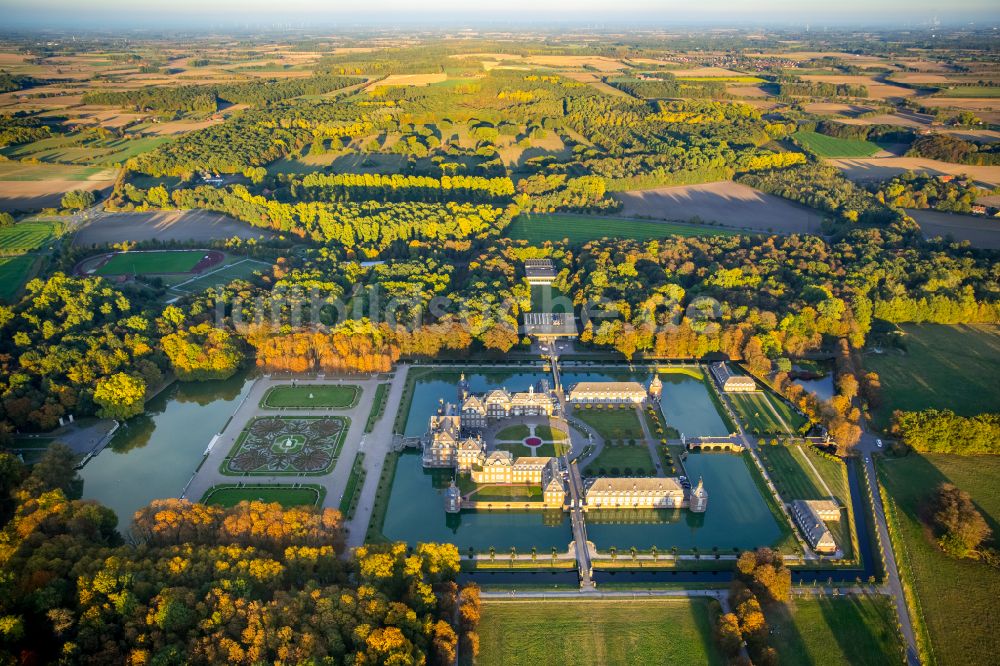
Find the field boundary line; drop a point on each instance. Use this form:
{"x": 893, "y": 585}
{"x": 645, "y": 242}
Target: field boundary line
{"x": 198, "y": 277}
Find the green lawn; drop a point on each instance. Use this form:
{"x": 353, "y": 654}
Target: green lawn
{"x": 26, "y": 236}
{"x": 19, "y": 172}
{"x": 548, "y": 449}
{"x": 287, "y": 496}
{"x": 548, "y": 433}
{"x": 611, "y": 423}
{"x": 546, "y": 298}
{"x": 378, "y": 406}
{"x": 970, "y": 91}
{"x": 71, "y": 149}
{"x": 946, "y": 367}
{"x": 513, "y": 433}
{"x": 239, "y": 268}
{"x": 583, "y": 228}
{"x": 151, "y": 263}
{"x": 833, "y": 631}
{"x": 633, "y": 633}
{"x": 355, "y": 481}
{"x": 831, "y": 146}
{"x": 952, "y": 593}
{"x": 755, "y": 409}
{"x": 13, "y": 273}
{"x": 323, "y": 396}
{"x": 622, "y": 457}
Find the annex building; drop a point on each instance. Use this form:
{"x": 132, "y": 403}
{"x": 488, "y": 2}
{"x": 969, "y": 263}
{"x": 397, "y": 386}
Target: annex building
{"x": 644, "y": 493}
{"x": 809, "y": 515}
{"x": 730, "y": 382}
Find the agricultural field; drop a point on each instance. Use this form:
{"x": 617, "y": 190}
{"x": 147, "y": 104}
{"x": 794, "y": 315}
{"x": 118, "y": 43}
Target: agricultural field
{"x": 540, "y": 228}
{"x": 882, "y": 168}
{"x": 14, "y": 273}
{"x": 75, "y": 150}
{"x": 28, "y": 187}
{"x": 188, "y": 225}
{"x": 151, "y": 263}
{"x": 970, "y": 91}
{"x": 951, "y": 593}
{"x": 925, "y": 374}
{"x": 311, "y": 396}
{"x": 983, "y": 232}
{"x": 762, "y": 413}
{"x": 726, "y": 203}
{"x": 286, "y": 496}
{"x": 860, "y": 631}
{"x": 831, "y": 146}
{"x": 27, "y": 236}
{"x": 613, "y": 633}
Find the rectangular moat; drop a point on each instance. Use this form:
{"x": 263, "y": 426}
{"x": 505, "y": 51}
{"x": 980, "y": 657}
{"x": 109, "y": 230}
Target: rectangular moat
{"x": 739, "y": 517}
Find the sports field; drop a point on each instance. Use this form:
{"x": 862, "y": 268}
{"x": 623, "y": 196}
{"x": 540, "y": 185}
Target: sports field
{"x": 629, "y": 632}
{"x": 239, "y": 268}
{"x": 13, "y": 272}
{"x": 584, "y": 228}
{"x": 151, "y": 263}
{"x": 312, "y": 396}
{"x": 829, "y": 632}
{"x": 927, "y": 374}
{"x": 286, "y": 496}
{"x": 26, "y": 236}
{"x": 951, "y": 593}
{"x": 830, "y": 146}
{"x": 762, "y": 413}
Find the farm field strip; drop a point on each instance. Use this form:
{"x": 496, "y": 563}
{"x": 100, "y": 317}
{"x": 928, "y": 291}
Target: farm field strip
{"x": 26, "y": 236}
{"x": 830, "y": 146}
{"x": 539, "y": 228}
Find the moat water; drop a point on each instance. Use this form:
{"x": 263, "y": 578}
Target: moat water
{"x": 154, "y": 455}
{"x": 416, "y": 514}
{"x": 686, "y": 404}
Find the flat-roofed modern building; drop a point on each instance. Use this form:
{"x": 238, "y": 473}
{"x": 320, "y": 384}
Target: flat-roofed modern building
{"x": 539, "y": 271}
{"x": 549, "y": 325}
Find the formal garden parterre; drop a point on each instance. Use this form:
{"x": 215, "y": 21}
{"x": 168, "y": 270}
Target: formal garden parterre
{"x": 287, "y": 445}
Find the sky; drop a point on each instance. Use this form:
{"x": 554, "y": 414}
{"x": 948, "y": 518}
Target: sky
{"x": 152, "y": 13}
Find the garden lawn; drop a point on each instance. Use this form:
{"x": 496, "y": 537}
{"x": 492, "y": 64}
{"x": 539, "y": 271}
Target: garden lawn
{"x": 623, "y": 457}
{"x": 549, "y": 449}
{"x": 147, "y": 263}
{"x": 859, "y": 631}
{"x": 548, "y": 433}
{"x": 954, "y": 595}
{"x": 831, "y": 146}
{"x": 286, "y": 496}
{"x": 945, "y": 367}
{"x": 324, "y": 396}
{"x": 26, "y": 236}
{"x": 584, "y": 228}
{"x": 13, "y": 273}
{"x": 513, "y": 433}
{"x": 611, "y": 423}
{"x": 629, "y": 632}
{"x": 764, "y": 414}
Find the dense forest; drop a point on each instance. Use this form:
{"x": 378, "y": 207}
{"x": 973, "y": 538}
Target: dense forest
{"x": 195, "y": 584}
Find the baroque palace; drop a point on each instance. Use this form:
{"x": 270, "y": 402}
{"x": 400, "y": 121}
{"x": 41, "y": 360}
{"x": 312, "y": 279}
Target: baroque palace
{"x": 455, "y": 440}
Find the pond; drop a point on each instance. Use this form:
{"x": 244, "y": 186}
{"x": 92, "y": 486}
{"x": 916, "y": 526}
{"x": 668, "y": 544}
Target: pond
{"x": 820, "y": 386}
{"x": 737, "y": 516}
{"x": 433, "y": 387}
{"x": 416, "y": 514}
{"x": 686, "y": 404}
{"x": 154, "y": 455}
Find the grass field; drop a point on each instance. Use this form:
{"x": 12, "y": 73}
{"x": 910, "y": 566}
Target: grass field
{"x": 583, "y": 228}
{"x": 312, "y": 396}
{"x": 26, "y": 236}
{"x": 239, "y": 269}
{"x": 18, "y": 172}
{"x": 378, "y": 406}
{"x": 621, "y": 457}
{"x": 830, "y": 146}
{"x": 629, "y": 632}
{"x": 925, "y": 375}
{"x": 612, "y": 423}
{"x": 970, "y": 91}
{"x": 73, "y": 150}
{"x": 514, "y": 432}
{"x": 151, "y": 263}
{"x": 550, "y": 449}
{"x": 286, "y": 496}
{"x": 548, "y": 433}
{"x": 951, "y": 593}
{"x": 859, "y": 631}
{"x": 755, "y": 409}
{"x": 13, "y": 273}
